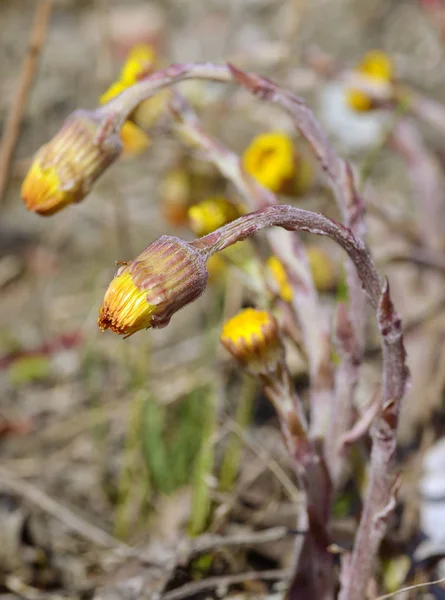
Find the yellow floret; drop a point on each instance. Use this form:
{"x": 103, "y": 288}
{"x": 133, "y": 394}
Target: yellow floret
{"x": 41, "y": 190}
{"x": 125, "y": 309}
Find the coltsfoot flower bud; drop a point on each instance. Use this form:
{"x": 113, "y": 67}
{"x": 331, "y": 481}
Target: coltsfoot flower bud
{"x": 64, "y": 170}
{"x": 147, "y": 291}
{"x": 252, "y": 337}
{"x": 211, "y": 213}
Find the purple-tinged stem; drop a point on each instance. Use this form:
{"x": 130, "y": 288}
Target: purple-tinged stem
{"x": 346, "y": 378}
{"x": 314, "y": 574}
{"x": 380, "y": 497}
{"x": 288, "y": 248}
{"x": 338, "y": 172}
{"x": 379, "y": 500}
{"x": 298, "y": 219}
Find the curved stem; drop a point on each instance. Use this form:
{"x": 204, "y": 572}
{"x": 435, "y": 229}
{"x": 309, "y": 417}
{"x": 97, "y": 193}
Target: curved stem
{"x": 292, "y": 218}
{"x": 379, "y": 499}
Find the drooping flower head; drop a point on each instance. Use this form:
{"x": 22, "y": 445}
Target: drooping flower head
{"x": 64, "y": 170}
{"x": 252, "y": 337}
{"x": 147, "y": 291}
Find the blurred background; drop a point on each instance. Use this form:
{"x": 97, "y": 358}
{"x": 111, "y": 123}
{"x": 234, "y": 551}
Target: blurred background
{"x": 128, "y": 436}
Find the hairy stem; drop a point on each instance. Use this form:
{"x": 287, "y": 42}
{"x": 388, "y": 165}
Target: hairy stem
{"x": 380, "y": 497}
{"x": 298, "y": 219}
{"x": 288, "y": 247}
{"x": 379, "y": 500}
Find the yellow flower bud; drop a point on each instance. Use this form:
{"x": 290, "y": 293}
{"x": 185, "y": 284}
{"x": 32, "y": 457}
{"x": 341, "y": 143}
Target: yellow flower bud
{"x": 252, "y": 337}
{"x": 270, "y": 159}
{"x": 279, "y": 278}
{"x": 64, "y": 170}
{"x": 208, "y": 215}
{"x": 147, "y": 291}
{"x": 375, "y": 66}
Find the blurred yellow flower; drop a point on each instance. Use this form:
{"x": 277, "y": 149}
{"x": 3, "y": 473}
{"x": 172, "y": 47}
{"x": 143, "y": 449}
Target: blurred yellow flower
{"x": 279, "y": 277}
{"x": 252, "y": 337}
{"x": 135, "y": 141}
{"x": 211, "y": 213}
{"x": 322, "y": 268}
{"x": 116, "y": 88}
{"x": 140, "y": 62}
{"x": 216, "y": 268}
{"x": 375, "y": 66}
{"x": 270, "y": 159}
{"x": 175, "y": 196}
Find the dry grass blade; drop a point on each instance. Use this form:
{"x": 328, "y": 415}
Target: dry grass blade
{"x": 50, "y": 506}
{"x": 410, "y": 588}
{"x": 190, "y": 590}
{"x": 12, "y": 126}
